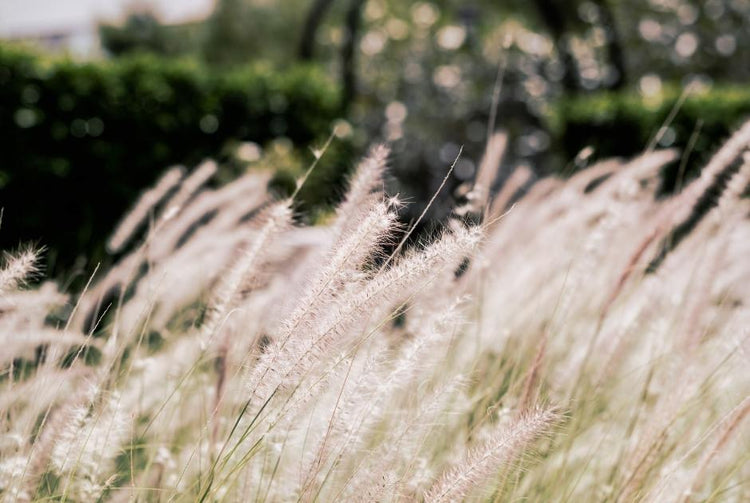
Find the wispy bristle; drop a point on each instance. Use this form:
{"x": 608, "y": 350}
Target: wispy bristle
{"x": 365, "y": 187}
{"x": 18, "y": 268}
{"x": 276, "y": 219}
{"x": 503, "y": 449}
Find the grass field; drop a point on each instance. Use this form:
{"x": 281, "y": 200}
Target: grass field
{"x": 586, "y": 342}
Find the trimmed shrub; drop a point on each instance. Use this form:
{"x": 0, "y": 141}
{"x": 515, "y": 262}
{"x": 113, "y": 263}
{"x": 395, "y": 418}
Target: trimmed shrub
{"x": 623, "y": 124}
{"x": 80, "y": 140}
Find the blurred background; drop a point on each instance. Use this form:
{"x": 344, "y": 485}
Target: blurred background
{"x": 98, "y": 97}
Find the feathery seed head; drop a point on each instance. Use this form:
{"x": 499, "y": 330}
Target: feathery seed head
{"x": 18, "y": 268}
{"x": 500, "y": 451}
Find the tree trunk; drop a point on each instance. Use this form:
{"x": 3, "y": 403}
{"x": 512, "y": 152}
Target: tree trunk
{"x": 349, "y": 53}
{"x": 552, "y": 14}
{"x": 313, "y": 20}
{"x": 615, "y": 51}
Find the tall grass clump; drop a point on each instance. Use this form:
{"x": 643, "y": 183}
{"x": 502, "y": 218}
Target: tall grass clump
{"x": 586, "y": 340}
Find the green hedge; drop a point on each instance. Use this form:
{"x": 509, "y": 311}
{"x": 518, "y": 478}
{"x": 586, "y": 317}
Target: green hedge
{"x": 624, "y": 124}
{"x": 80, "y": 141}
